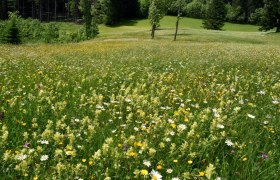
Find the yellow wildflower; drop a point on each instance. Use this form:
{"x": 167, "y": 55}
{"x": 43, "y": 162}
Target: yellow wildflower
{"x": 173, "y": 125}
{"x": 84, "y": 160}
{"x": 190, "y": 162}
{"x": 201, "y": 174}
{"x": 132, "y": 154}
{"x": 186, "y": 120}
{"x": 90, "y": 163}
{"x": 144, "y": 172}
{"x": 159, "y": 167}
{"x": 176, "y": 113}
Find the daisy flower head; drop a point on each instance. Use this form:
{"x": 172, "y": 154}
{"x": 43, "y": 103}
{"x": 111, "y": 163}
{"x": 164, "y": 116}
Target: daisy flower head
{"x": 229, "y": 143}
{"x": 251, "y": 116}
{"x": 147, "y": 163}
{"x": 44, "y": 157}
{"x": 155, "y": 175}
{"x": 169, "y": 171}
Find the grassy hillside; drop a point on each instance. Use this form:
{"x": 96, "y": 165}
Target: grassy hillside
{"x": 189, "y": 30}
{"x": 123, "y": 106}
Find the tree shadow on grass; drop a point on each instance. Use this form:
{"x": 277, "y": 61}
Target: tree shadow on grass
{"x": 124, "y": 23}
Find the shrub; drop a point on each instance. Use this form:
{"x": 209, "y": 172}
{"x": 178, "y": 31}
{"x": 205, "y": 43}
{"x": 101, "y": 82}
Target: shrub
{"x": 31, "y": 29}
{"x": 51, "y": 32}
{"x": 196, "y": 9}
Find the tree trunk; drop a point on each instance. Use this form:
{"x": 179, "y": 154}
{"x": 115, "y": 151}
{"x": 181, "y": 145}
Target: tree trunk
{"x": 48, "y": 10}
{"x": 177, "y": 26}
{"x": 76, "y": 10}
{"x": 41, "y": 11}
{"x": 4, "y": 12}
{"x": 33, "y": 10}
{"x": 178, "y": 19}
{"x": 23, "y": 9}
{"x": 55, "y": 10}
{"x": 153, "y": 31}
{"x": 278, "y": 26}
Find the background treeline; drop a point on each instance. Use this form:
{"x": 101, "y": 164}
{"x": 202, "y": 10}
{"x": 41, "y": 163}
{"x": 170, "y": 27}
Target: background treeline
{"x": 112, "y": 11}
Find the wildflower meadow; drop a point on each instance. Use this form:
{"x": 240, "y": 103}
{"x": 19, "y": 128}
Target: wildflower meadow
{"x": 140, "y": 109}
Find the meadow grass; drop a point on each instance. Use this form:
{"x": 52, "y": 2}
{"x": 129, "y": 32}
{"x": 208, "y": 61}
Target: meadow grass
{"x": 123, "y": 106}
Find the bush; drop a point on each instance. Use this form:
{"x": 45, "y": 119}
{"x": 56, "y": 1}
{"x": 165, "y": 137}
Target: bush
{"x": 31, "y": 29}
{"x": 10, "y": 33}
{"x": 17, "y": 30}
{"x": 51, "y": 32}
{"x": 196, "y": 9}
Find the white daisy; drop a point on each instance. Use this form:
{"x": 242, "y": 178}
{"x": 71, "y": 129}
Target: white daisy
{"x": 275, "y": 102}
{"x": 44, "y": 142}
{"x": 229, "y": 142}
{"x": 169, "y": 171}
{"x": 182, "y": 127}
{"x": 44, "y": 157}
{"x": 147, "y": 163}
{"x": 220, "y": 126}
{"x": 155, "y": 175}
{"x": 251, "y": 116}
{"x": 22, "y": 157}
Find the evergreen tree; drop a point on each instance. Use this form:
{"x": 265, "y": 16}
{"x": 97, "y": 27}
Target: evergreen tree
{"x": 11, "y": 34}
{"x": 215, "y": 15}
{"x": 91, "y": 29}
{"x": 271, "y": 17}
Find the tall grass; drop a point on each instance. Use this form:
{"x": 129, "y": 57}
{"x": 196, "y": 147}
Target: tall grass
{"x": 138, "y": 109}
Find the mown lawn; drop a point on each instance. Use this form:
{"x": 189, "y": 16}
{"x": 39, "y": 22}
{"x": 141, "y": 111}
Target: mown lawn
{"x": 123, "y": 106}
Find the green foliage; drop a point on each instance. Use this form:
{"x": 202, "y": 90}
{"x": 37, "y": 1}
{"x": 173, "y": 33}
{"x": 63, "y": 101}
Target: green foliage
{"x": 155, "y": 13}
{"x": 215, "y": 15}
{"x": 90, "y": 21}
{"x": 102, "y": 11}
{"x": 144, "y": 8}
{"x": 31, "y": 29}
{"x": 196, "y": 9}
{"x": 154, "y": 16}
{"x": 234, "y": 14}
{"x": 51, "y": 32}
{"x": 257, "y": 17}
{"x": 271, "y": 17}
{"x": 11, "y": 33}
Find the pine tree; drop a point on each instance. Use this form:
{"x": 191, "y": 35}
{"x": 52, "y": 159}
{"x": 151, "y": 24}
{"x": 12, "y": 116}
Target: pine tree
{"x": 271, "y": 17}
{"x": 215, "y": 15}
{"x": 11, "y": 33}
